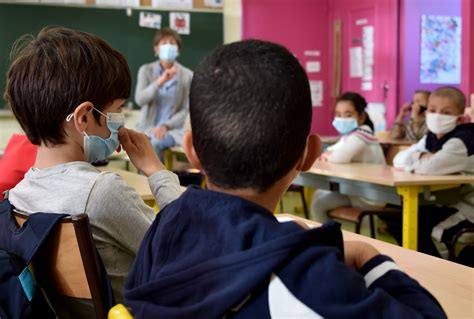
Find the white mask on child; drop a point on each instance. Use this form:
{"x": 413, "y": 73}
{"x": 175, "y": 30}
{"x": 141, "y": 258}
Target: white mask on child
{"x": 441, "y": 123}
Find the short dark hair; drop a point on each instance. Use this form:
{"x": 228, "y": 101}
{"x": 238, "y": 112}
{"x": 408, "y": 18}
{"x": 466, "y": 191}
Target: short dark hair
{"x": 165, "y": 33}
{"x": 250, "y": 107}
{"x": 360, "y": 104}
{"x": 55, "y": 72}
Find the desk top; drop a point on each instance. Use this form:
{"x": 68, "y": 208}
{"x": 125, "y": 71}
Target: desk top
{"x": 451, "y": 283}
{"x": 385, "y": 175}
{"x": 392, "y": 141}
{"x": 135, "y": 181}
{"x": 382, "y": 140}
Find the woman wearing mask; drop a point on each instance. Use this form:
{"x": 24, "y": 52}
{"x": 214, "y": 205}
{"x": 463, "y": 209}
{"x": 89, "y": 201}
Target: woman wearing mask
{"x": 357, "y": 145}
{"x": 162, "y": 92}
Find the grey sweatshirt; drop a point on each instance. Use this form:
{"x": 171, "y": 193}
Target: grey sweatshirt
{"x": 146, "y": 98}
{"x": 118, "y": 216}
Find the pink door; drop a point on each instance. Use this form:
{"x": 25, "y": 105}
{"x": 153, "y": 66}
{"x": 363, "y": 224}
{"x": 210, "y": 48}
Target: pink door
{"x": 370, "y": 50}
{"x": 303, "y": 27}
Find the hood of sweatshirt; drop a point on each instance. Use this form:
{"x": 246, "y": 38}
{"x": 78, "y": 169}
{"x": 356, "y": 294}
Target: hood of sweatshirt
{"x": 207, "y": 251}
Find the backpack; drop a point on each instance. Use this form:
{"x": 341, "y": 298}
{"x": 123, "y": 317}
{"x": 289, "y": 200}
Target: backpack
{"x": 19, "y": 296}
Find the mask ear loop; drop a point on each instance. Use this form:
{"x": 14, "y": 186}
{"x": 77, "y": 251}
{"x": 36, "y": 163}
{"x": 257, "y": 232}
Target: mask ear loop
{"x": 69, "y": 117}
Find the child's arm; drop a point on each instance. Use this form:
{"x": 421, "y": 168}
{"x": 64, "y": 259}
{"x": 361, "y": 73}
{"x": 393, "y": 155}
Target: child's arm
{"x": 377, "y": 289}
{"x": 345, "y": 153}
{"x": 144, "y": 92}
{"x": 452, "y": 158}
{"x": 407, "y": 157}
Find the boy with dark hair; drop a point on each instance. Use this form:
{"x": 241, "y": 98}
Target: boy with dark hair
{"x": 66, "y": 89}
{"x": 220, "y": 252}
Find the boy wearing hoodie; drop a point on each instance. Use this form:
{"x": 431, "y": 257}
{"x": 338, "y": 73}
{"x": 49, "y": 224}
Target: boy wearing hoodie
{"x": 220, "y": 252}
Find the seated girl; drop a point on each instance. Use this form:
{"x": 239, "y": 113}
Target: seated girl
{"x": 357, "y": 145}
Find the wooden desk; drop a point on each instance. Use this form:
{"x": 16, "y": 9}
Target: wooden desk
{"x": 384, "y": 183}
{"x": 137, "y": 182}
{"x": 171, "y": 153}
{"x": 452, "y": 284}
{"x": 390, "y": 141}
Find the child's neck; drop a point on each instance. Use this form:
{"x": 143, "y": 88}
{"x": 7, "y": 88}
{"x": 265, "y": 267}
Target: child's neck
{"x": 48, "y": 156}
{"x": 268, "y": 199}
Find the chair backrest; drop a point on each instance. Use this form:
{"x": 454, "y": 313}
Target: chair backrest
{"x": 393, "y": 151}
{"x": 67, "y": 263}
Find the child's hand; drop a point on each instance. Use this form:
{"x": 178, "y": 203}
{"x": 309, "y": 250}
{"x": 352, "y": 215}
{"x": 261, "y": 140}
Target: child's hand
{"x": 405, "y": 110}
{"x": 141, "y": 152}
{"x": 357, "y": 253}
{"x": 324, "y": 157}
{"x": 425, "y": 156}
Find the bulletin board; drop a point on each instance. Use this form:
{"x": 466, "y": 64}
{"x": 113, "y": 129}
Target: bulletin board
{"x": 113, "y": 25}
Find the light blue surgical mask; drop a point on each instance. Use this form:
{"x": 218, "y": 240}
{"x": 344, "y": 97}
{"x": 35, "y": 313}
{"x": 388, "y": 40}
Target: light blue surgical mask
{"x": 168, "y": 52}
{"x": 97, "y": 148}
{"x": 345, "y": 125}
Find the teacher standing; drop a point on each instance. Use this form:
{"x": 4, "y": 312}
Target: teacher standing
{"x": 162, "y": 93}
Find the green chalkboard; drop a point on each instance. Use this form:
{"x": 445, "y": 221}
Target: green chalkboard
{"x": 113, "y": 25}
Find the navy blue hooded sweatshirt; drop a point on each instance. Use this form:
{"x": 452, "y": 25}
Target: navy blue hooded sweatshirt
{"x": 213, "y": 255}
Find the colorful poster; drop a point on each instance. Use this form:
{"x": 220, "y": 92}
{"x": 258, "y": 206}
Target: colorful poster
{"x": 180, "y": 22}
{"x": 440, "y": 50}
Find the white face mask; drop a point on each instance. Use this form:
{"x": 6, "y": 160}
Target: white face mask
{"x": 441, "y": 123}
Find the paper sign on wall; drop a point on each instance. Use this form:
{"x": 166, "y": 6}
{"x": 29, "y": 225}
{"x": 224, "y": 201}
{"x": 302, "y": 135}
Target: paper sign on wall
{"x": 149, "y": 20}
{"x": 214, "y": 3}
{"x": 316, "y": 88}
{"x": 367, "y": 57}
{"x": 312, "y": 53}
{"x": 313, "y": 66}
{"x": 173, "y": 4}
{"x": 355, "y": 61}
{"x": 180, "y": 22}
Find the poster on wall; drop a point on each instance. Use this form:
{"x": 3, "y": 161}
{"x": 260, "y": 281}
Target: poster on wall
{"x": 149, "y": 20}
{"x": 180, "y": 22}
{"x": 355, "y": 62}
{"x": 440, "y": 49}
{"x": 173, "y": 4}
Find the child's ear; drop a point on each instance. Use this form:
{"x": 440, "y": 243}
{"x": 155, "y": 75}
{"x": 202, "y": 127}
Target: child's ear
{"x": 190, "y": 151}
{"x": 81, "y": 116}
{"x": 313, "y": 150}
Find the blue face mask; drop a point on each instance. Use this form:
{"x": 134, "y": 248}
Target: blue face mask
{"x": 97, "y": 148}
{"x": 345, "y": 125}
{"x": 168, "y": 52}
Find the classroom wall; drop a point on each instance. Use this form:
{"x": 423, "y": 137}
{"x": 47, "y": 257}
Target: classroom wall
{"x": 232, "y": 20}
{"x": 300, "y": 26}
{"x": 411, "y": 12}
{"x": 467, "y": 76}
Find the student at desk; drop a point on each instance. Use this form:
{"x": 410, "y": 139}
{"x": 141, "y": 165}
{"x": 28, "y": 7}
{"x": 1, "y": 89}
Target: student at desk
{"x": 74, "y": 119}
{"x": 357, "y": 144}
{"x": 448, "y": 148}
{"x": 416, "y": 128}
{"x": 220, "y": 252}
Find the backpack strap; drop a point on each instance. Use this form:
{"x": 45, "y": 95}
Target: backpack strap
{"x": 25, "y": 241}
